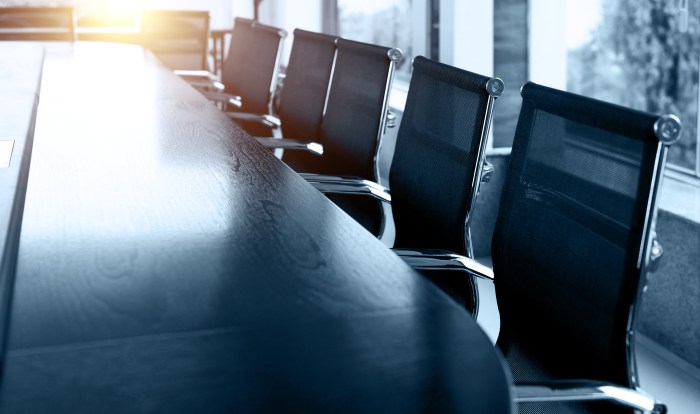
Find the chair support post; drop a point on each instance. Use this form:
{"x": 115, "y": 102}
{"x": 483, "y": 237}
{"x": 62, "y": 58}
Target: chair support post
{"x": 668, "y": 130}
{"x": 494, "y": 88}
{"x": 394, "y": 56}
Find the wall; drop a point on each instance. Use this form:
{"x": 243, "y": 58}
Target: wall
{"x": 290, "y": 15}
{"x": 486, "y": 209}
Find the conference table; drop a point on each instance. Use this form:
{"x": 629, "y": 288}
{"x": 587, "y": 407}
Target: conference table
{"x": 166, "y": 262}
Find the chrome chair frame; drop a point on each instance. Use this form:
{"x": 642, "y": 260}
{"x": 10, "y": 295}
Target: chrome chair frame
{"x": 579, "y": 391}
{"x": 395, "y": 56}
{"x": 667, "y": 129}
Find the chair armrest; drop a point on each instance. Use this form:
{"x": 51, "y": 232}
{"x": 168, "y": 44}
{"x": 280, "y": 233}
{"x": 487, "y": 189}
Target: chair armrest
{"x": 587, "y": 391}
{"x": 265, "y": 119}
{"x": 431, "y": 259}
{"x": 217, "y": 96}
{"x": 200, "y": 79}
{"x": 351, "y": 186}
{"x": 341, "y": 179}
{"x": 312, "y": 147}
{"x": 196, "y": 75}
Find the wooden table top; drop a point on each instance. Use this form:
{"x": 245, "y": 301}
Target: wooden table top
{"x": 168, "y": 263}
{"x": 20, "y": 79}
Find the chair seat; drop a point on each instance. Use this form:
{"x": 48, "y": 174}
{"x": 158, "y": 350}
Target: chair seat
{"x": 527, "y": 369}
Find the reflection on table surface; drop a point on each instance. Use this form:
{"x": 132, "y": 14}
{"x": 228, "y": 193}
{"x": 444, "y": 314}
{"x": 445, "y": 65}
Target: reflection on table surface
{"x": 167, "y": 262}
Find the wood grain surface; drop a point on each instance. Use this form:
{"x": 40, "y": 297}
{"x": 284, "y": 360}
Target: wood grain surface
{"x": 168, "y": 263}
{"x": 20, "y": 79}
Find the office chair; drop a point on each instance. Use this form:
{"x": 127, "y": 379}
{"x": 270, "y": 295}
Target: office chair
{"x": 241, "y": 38}
{"x": 257, "y": 79}
{"x": 353, "y": 121}
{"x": 179, "y": 38}
{"x": 206, "y": 80}
{"x": 249, "y": 77}
{"x": 573, "y": 242}
{"x": 37, "y": 23}
{"x": 300, "y": 102}
{"x": 437, "y": 168}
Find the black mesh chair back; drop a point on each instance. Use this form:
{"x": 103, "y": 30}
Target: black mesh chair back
{"x": 573, "y": 238}
{"x": 37, "y": 23}
{"x": 436, "y": 170}
{"x": 303, "y": 96}
{"x": 254, "y": 76}
{"x": 241, "y": 36}
{"x": 356, "y": 108}
{"x": 179, "y": 38}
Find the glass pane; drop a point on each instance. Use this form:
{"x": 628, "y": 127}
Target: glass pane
{"x": 644, "y": 54}
{"x": 381, "y": 22}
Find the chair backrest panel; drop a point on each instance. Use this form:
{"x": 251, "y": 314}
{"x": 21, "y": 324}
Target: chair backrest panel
{"x": 355, "y": 108}
{"x": 569, "y": 230}
{"x": 303, "y": 96}
{"x": 241, "y": 36}
{"x": 306, "y": 84}
{"x": 435, "y": 157}
{"x": 255, "y": 77}
{"x": 37, "y": 23}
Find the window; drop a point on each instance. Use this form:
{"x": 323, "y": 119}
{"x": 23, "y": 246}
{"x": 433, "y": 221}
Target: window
{"x": 652, "y": 44}
{"x": 643, "y": 54}
{"x": 392, "y": 23}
